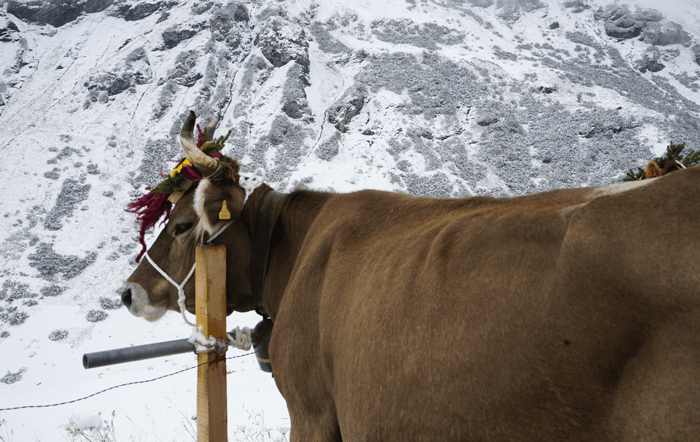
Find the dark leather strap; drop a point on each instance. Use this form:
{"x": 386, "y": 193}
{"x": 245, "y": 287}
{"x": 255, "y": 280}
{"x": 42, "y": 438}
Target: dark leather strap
{"x": 270, "y": 208}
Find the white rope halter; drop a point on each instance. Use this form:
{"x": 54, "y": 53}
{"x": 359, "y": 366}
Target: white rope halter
{"x": 181, "y": 287}
{"x": 242, "y": 339}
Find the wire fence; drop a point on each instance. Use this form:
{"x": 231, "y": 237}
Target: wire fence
{"x": 121, "y": 385}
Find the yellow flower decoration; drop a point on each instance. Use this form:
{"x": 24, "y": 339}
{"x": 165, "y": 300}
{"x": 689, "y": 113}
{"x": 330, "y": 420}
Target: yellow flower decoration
{"x": 178, "y": 169}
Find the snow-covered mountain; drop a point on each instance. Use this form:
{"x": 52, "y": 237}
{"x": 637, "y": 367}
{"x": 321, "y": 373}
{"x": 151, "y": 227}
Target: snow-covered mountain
{"x": 431, "y": 97}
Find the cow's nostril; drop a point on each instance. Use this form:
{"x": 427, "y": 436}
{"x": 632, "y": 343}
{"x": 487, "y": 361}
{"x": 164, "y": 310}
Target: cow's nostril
{"x": 126, "y": 297}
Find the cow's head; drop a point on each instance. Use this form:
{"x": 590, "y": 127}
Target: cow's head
{"x": 195, "y": 219}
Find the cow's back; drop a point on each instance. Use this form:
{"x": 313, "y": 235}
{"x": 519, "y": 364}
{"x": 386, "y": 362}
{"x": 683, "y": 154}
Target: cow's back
{"x": 443, "y": 319}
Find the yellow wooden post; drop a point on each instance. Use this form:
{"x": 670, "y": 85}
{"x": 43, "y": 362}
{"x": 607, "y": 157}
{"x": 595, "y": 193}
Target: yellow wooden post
{"x": 210, "y": 286}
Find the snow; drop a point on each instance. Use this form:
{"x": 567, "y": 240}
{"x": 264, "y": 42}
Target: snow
{"x": 457, "y": 100}
{"x": 89, "y": 422}
{"x": 251, "y": 181}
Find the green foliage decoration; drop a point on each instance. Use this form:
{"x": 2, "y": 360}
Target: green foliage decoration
{"x": 674, "y": 152}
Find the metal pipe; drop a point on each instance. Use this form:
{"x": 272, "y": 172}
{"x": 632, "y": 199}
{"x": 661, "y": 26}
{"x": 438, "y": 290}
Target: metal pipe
{"x": 139, "y": 352}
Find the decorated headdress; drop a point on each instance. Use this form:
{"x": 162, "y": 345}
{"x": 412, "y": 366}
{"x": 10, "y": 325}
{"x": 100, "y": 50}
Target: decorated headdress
{"x": 150, "y": 207}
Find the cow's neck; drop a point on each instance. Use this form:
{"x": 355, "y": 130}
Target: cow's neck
{"x": 284, "y": 219}
{"x": 264, "y": 210}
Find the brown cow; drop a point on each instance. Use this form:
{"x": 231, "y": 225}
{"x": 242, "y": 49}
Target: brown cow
{"x": 561, "y": 316}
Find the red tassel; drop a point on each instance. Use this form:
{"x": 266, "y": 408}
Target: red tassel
{"x": 200, "y": 137}
{"x": 149, "y": 208}
{"x": 189, "y": 173}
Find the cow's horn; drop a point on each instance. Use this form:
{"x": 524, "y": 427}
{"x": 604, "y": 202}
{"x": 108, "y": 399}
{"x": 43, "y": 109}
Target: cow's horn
{"x": 211, "y": 128}
{"x": 206, "y": 164}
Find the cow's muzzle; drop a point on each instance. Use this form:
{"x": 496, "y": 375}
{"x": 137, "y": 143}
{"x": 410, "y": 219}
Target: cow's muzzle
{"x": 136, "y": 300}
{"x": 126, "y": 297}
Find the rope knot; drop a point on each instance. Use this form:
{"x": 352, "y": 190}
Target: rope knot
{"x": 240, "y": 338}
{"x": 207, "y": 345}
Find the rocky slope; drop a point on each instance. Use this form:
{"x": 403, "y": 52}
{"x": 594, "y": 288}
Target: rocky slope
{"x": 442, "y": 98}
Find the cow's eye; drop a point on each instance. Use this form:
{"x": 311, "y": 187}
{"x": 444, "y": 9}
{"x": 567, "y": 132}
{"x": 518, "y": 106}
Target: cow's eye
{"x": 182, "y": 227}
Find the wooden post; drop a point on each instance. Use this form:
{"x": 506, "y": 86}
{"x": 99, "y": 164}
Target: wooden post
{"x": 210, "y": 286}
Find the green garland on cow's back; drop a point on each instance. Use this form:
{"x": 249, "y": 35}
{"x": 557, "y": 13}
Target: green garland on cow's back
{"x": 673, "y": 153}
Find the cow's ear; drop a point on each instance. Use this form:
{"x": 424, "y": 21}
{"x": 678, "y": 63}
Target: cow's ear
{"x": 234, "y": 198}
{"x": 233, "y": 194}
{"x": 209, "y": 200}
{"x": 228, "y": 204}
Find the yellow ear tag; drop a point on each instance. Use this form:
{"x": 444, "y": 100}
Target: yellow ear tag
{"x": 224, "y": 214}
